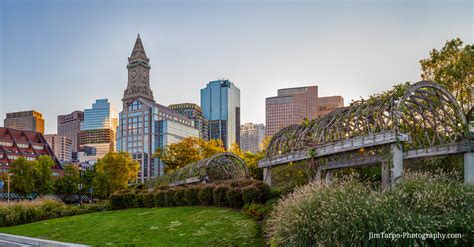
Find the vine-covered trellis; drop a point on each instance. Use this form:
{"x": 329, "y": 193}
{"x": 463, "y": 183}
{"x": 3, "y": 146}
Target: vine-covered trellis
{"x": 222, "y": 166}
{"x": 423, "y": 119}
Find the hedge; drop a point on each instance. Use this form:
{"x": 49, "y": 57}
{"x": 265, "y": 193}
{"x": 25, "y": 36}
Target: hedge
{"x": 233, "y": 194}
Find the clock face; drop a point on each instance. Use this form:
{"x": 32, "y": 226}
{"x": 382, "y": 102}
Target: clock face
{"x": 133, "y": 74}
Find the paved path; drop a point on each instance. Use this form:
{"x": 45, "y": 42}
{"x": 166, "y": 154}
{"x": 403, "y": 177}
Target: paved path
{"x": 8, "y": 240}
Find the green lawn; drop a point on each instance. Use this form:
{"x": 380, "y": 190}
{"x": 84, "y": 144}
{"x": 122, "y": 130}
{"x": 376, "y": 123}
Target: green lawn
{"x": 180, "y": 226}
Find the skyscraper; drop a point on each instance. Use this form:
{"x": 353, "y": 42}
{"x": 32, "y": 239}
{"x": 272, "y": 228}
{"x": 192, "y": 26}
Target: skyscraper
{"x": 145, "y": 125}
{"x": 251, "y": 137}
{"x": 293, "y": 105}
{"x": 98, "y": 127}
{"x": 220, "y": 103}
{"x": 193, "y": 112}
{"x": 69, "y": 125}
{"x": 61, "y": 146}
{"x": 25, "y": 120}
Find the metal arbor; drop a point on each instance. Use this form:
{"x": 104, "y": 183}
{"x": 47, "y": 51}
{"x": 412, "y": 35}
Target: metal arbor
{"x": 410, "y": 121}
{"x": 222, "y": 166}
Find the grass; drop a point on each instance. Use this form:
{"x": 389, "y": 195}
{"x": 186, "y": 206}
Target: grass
{"x": 179, "y": 226}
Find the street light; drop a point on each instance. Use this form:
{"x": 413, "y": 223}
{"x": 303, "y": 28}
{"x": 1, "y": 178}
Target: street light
{"x": 8, "y": 186}
{"x": 80, "y": 185}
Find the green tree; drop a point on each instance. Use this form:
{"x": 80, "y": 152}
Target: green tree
{"x": 113, "y": 172}
{"x": 252, "y": 159}
{"x": 42, "y": 174}
{"x": 453, "y": 67}
{"x": 68, "y": 184}
{"x": 22, "y": 180}
{"x": 187, "y": 151}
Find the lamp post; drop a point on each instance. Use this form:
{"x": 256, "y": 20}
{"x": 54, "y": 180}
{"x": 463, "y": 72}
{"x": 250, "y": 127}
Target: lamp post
{"x": 8, "y": 187}
{"x": 80, "y": 185}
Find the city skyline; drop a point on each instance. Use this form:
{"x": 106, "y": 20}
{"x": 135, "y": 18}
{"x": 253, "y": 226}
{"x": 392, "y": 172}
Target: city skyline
{"x": 343, "y": 48}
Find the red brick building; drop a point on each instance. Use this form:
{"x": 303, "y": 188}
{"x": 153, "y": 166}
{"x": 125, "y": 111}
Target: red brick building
{"x": 29, "y": 144}
{"x": 293, "y": 105}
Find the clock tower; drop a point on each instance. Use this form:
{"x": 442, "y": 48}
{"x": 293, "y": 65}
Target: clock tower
{"x": 138, "y": 75}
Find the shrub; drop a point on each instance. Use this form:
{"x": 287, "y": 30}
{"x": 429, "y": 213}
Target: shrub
{"x": 219, "y": 195}
{"x": 344, "y": 212}
{"x": 191, "y": 196}
{"x": 234, "y": 198}
{"x": 179, "y": 197}
{"x": 121, "y": 200}
{"x": 159, "y": 198}
{"x": 148, "y": 200}
{"x": 169, "y": 198}
{"x": 254, "y": 210}
{"x": 264, "y": 190}
{"x": 206, "y": 195}
{"x": 250, "y": 194}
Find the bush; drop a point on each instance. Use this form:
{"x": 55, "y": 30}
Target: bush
{"x": 344, "y": 212}
{"x": 219, "y": 195}
{"x": 250, "y": 195}
{"x": 169, "y": 198}
{"x": 121, "y": 200}
{"x": 191, "y": 196}
{"x": 206, "y": 195}
{"x": 148, "y": 200}
{"x": 264, "y": 190}
{"x": 234, "y": 198}
{"x": 159, "y": 198}
{"x": 254, "y": 210}
{"x": 179, "y": 197}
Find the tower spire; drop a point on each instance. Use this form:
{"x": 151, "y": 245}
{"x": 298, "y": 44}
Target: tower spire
{"x": 138, "y": 51}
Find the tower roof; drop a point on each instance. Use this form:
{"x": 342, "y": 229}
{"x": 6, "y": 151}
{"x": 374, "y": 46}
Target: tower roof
{"x": 138, "y": 50}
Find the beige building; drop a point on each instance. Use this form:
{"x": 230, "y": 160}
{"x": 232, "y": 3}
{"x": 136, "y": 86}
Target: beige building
{"x": 251, "y": 137}
{"x": 25, "y": 120}
{"x": 294, "y": 105}
{"x": 69, "y": 125}
{"x": 61, "y": 146}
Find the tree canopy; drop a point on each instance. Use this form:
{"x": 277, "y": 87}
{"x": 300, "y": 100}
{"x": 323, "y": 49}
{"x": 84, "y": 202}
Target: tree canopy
{"x": 113, "y": 172}
{"x": 187, "y": 151}
{"x": 452, "y": 67}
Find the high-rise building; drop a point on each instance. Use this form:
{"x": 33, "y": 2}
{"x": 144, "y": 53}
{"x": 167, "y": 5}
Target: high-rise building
{"x": 61, "y": 146}
{"x": 99, "y": 126}
{"x": 220, "y": 103}
{"x": 145, "y": 125}
{"x": 194, "y": 112}
{"x": 16, "y": 143}
{"x": 69, "y": 125}
{"x": 25, "y": 120}
{"x": 251, "y": 137}
{"x": 294, "y": 105}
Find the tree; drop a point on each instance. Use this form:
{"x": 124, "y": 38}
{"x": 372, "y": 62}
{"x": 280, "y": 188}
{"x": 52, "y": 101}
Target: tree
{"x": 42, "y": 174}
{"x": 68, "y": 183}
{"x": 187, "y": 151}
{"x": 22, "y": 180}
{"x": 252, "y": 159}
{"x": 452, "y": 67}
{"x": 114, "y": 172}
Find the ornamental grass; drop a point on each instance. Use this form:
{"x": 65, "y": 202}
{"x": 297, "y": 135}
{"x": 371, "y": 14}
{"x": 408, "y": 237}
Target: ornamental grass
{"x": 346, "y": 212}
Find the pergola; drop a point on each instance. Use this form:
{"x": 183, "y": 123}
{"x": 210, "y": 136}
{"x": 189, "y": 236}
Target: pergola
{"x": 222, "y": 166}
{"x": 409, "y": 122}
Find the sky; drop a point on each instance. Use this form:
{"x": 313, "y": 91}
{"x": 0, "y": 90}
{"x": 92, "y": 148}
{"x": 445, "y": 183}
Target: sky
{"x": 57, "y": 56}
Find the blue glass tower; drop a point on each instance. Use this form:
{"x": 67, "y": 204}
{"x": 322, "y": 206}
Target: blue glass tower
{"x": 220, "y": 103}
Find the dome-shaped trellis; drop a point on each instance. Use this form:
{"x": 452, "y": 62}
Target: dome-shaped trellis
{"x": 425, "y": 111}
{"x": 222, "y": 166}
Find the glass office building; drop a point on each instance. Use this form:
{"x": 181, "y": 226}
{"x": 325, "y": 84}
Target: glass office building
{"x": 220, "y": 103}
{"x": 98, "y": 127}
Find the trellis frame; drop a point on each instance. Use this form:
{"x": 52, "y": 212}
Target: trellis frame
{"x": 409, "y": 122}
{"x": 221, "y": 166}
